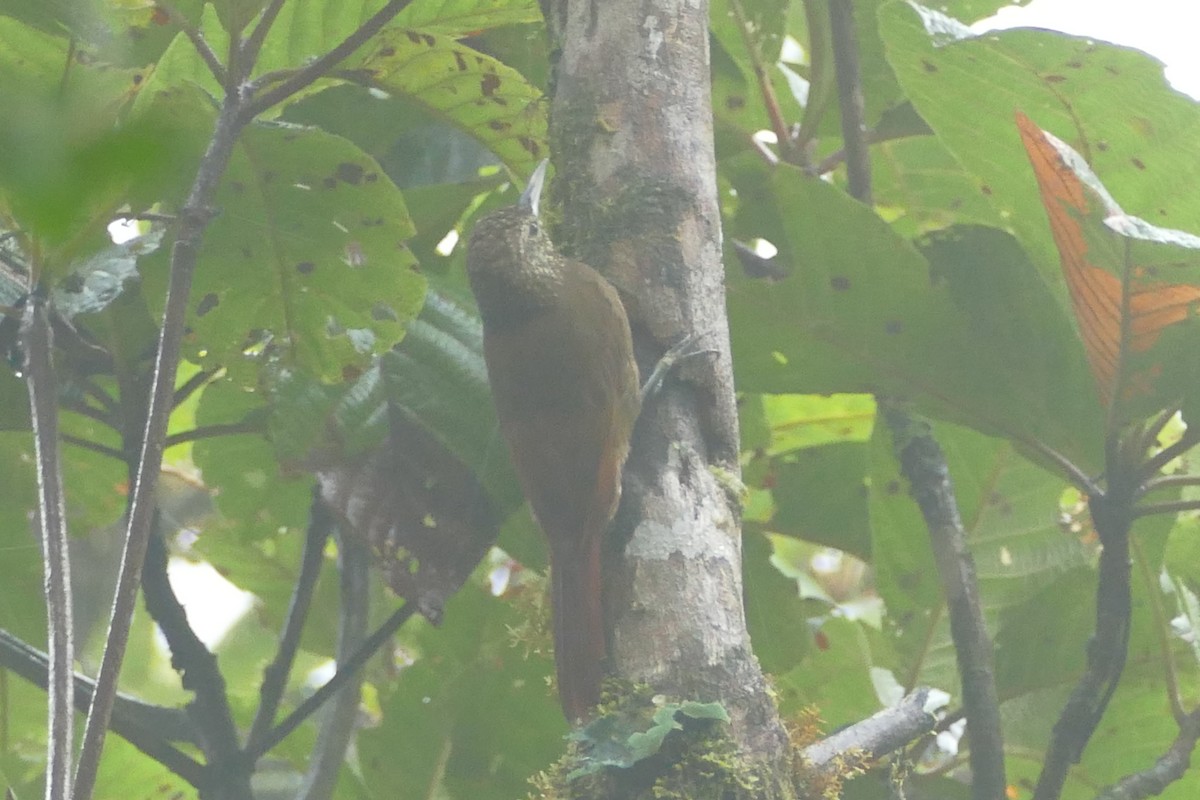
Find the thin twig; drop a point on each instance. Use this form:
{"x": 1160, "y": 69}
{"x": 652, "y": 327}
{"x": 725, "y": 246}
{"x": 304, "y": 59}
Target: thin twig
{"x": 93, "y": 390}
{"x": 345, "y": 673}
{"x": 275, "y": 676}
{"x": 254, "y": 42}
{"x": 1168, "y": 482}
{"x": 95, "y": 447}
{"x": 1162, "y": 631}
{"x": 1167, "y": 507}
{"x": 147, "y": 727}
{"x": 850, "y": 99}
{"x": 1077, "y": 477}
{"x": 338, "y": 721}
{"x": 1155, "y": 463}
{"x": 1169, "y": 768}
{"x": 322, "y": 65}
{"x": 191, "y": 386}
{"x": 84, "y": 410}
{"x": 213, "y": 431}
{"x": 43, "y": 405}
{"x": 198, "y": 41}
{"x": 765, "y": 87}
{"x": 1149, "y": 435}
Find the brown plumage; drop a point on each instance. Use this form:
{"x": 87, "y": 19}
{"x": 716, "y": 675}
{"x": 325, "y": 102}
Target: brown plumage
{"x": 560, "y": 362}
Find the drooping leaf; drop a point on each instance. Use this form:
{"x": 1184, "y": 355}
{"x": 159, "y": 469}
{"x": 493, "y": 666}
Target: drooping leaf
{"x": 425, "y": 517}
{"x": 1125, "y": 277}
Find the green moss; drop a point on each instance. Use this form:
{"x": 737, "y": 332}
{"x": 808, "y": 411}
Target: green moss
{"x": 698, "y": 761}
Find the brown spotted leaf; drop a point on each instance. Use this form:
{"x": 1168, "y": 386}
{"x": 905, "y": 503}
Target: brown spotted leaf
{"x": 484, "y": 97}
{"x": 426, "y": 519}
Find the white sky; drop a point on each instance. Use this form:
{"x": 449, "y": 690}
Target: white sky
{"x": 1167, "y": 29}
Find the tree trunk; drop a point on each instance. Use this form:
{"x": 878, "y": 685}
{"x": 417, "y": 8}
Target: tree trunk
{"x": 631, "y": 130}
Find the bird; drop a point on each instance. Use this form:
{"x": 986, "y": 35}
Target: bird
{"x": 560, "y": 362}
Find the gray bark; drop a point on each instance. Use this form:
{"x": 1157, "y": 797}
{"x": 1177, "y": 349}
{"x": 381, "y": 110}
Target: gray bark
{"x": 631, "y": 132}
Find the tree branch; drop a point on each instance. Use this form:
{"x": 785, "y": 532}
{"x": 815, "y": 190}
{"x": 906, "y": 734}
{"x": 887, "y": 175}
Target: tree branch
{"x": 95, "y": 447}
{"x": 884, "y": 732}
{"x": 200, "y": 674}
{"x": 275, "y": 676}
{"x": 191, "y": 386}
{"x": 198, "y": 41}
{"x": 147, "y": 727}
{"x": 924, "y": 465}
{"x": 211, "y": 431}
{"x": 850, "y": 99}
{"x": 344, "y": 675}
{"x": 1155, "y": 463}
{"x": 1108, "y": 647}
{"x": 43, "y": 406}
{"x": 1170, "y": 767}
{"x": 766, "y": 89}
{"x": 253, "y": 44}
{"x": 322, "y": 65}
{"x": 194, "y": 218}
{"x": 338, "y": 721}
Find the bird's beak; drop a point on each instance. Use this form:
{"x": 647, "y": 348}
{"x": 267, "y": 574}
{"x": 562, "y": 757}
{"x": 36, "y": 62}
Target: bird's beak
{"x": 533, "y": 189}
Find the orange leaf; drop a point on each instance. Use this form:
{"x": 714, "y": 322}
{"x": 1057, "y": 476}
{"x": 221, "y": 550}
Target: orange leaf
{"x": 1097, "y": 295}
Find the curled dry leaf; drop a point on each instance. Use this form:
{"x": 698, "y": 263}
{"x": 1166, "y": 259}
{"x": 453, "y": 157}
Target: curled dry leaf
{"x": 426, "y": 519}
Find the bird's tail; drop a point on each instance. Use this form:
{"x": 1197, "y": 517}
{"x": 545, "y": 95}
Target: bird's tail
{"x": 580, "y": 645}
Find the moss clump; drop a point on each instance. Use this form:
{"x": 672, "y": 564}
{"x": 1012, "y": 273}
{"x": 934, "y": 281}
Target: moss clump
{"x": 625, "y": 752}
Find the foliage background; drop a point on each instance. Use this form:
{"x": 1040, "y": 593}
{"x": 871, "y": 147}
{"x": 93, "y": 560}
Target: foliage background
{"x": 323, "y": 299}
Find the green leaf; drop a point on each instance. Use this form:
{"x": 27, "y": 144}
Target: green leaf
{"x": 306, "y": 258}
{"x": 619, "y": 740}
{"x": 449, "y": 723}
{"x": 68, "y": 157}
{"x": 966, "y": 90}
{"x": 462, "y": 17}
{"x": 1010, "y": 510}
{"x": 861, "y": 310}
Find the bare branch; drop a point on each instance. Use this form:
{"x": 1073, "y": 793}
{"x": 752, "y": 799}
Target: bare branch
{"x": 193, "y": 220}
{"x": 1109, "y": 645}
{"x": 275, "y": 676}
{"x": 199, "y": 672}
{"x": 924, "y": 464}
{"x": 43, "y": 405}
{"x": 1169, "y": 768}
{"x": 1155, "y": 463}
{"x": 787, "y": 149}
{"x": 322, "y": 65}
{"x": 212, "y": 431}
{"x": 1167, "y": 507}
{"x": 191, "y": 386}
{"x": 882, "y": 733}
{"x": 850, "y": 99}
{"x": 344, "y": 675}
{"x": 254, "y": 42}
{"x": 338, "y": 721}
{"x": 198, "y": 41}
{"x": 147, "y": 727}
{"x": 95, "y": 447}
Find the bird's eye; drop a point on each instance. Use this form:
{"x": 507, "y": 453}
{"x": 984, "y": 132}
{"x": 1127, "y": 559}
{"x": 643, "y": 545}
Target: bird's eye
{"x": 533, "y": 229}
